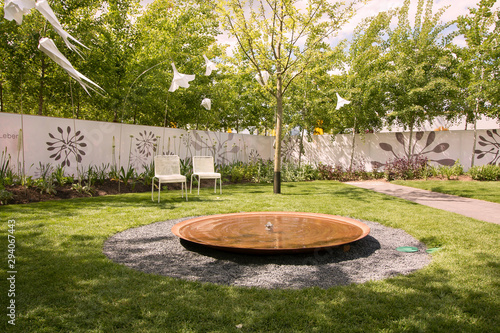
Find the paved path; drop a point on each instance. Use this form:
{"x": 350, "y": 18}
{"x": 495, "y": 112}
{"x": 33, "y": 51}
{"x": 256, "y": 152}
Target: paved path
{"x": 477, "y": 209}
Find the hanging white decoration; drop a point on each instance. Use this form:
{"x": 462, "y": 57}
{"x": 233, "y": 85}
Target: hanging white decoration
{"x": 265, "y": 77}
{"x": 47, "y": 46}
{"x": 180, "y": 80}
{"x": 43, "y": 7}
{"x": 341, "y": 102}
{"x": 16, "y": 9}
{"x": 206, "y": 103}
{"x": 210, "y": 66}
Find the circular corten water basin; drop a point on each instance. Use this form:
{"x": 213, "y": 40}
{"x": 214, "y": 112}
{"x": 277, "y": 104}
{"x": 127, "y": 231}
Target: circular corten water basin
{"x": 271, "y": 232}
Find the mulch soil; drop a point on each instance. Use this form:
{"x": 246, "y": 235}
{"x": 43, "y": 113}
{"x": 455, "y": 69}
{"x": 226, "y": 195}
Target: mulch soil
{"x": 23, "y": 195}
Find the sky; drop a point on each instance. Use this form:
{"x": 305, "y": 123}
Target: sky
{"x": 456, "y": 8}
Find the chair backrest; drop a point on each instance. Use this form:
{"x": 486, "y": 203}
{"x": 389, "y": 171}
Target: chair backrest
{"x": 203, "y": 164}
{"x": 167, "y": 165}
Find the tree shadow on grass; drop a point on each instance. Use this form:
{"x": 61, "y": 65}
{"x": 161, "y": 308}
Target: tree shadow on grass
{"x": 74, "y": 288}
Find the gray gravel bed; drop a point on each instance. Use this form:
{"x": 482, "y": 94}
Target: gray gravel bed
{"x": 154, "y": 249}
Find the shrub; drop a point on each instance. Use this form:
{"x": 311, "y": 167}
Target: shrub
{"x": 405, "y": 169}
{"x": 453, "y": 171}
{"x": 487, "y": 172}
{"x": 5, "y": 196}
{"x": 328, "y": 172}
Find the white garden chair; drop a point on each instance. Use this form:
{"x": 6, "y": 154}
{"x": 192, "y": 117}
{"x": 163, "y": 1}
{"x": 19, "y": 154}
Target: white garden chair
{"x": 203, "y": 168}
{"x": 168, "y": 170}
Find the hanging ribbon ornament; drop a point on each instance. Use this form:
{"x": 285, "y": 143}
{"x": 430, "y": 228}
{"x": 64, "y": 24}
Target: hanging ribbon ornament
{"x": 180, "y": 80}
{"x": 43, "y": 7}
{"x": 47, "y": 46}
{"x": 16, "y": 9}
{"x": 206, "y": 103}
{"x": 210, "y": 66}
{"x": 341, "y": 102}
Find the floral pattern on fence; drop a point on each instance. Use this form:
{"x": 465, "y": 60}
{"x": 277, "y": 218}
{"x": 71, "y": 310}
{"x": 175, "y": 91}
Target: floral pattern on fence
{"x": 146, "y": 143}
{"x": 66, "y": 146}
{"x": 494, "y": 143}
{"x": 438, "y": 149}
{"x": 145, "y": 146}
{"x": 220, "y": 149}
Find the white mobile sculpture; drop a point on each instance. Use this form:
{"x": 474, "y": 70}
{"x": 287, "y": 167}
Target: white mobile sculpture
{"x": 341, "y": 102}
{"x": 206, "y": 103}
{"x": 16, "y": 9}
{"x": 211, "y": 66}
{"x": 47, "y": 46}
{"x": 180, "y": 80}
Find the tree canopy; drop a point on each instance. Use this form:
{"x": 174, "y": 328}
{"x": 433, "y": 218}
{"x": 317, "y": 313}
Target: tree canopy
{"x": 392, "y": 71}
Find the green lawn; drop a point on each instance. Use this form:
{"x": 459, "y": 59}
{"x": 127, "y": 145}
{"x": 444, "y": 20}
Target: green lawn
{"x": 489, "y": 191}
{"x": 65, "y": 284}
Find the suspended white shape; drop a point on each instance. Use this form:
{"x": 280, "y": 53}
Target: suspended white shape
{"x": 16, "y": 9}
{"x": 180, "y": 80}
{"x": 265, "y": 77}
{"x": 210, "y": 66}
{"x": 206, "y": 103}
{"x": 341, "y": 102}
{"x": 47, "y": 46}
{"x": 43, "y": 7}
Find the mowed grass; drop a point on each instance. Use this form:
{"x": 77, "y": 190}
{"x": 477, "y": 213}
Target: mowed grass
{"x": 64, "y": 282}
{"x": 481, "y": 190}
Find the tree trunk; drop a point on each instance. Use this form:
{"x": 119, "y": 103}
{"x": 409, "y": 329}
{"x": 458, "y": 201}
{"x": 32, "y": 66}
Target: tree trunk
{"x": 353, "y": 143}
{"x": 301, "y": 145}
{"x": 476, "y": 112}
{"x": 165, "y": 121}
{"x": 41, "y": 91}
{"x": 279, "y": 125}
{"x": 410, "y": 141}
{"x": 475, "y": 136}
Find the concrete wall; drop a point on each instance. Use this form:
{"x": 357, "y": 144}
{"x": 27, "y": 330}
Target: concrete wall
{"x": 80, "y": 144}
{"x": 375, "y": 150}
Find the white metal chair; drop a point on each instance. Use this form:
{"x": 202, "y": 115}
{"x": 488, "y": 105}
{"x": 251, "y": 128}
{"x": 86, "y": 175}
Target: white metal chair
{"x": 168, "y": 170}
{"x": 203, "y": 168}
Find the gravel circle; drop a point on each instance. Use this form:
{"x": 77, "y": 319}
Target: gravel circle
{"x": 154, "y": 249}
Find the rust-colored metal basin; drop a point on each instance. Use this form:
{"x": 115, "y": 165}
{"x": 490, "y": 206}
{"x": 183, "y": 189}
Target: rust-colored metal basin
{"x": 271, "y": 232}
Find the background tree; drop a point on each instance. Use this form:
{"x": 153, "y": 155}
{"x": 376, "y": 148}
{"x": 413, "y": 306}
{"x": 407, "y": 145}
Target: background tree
{"x": 418, "y": 80}
{"x": 478, "y": 64}
{"x": 278, "y": 37}
{"x": 361, "y": 83}
{"x": 179, "y": 32}
{"x": 40, "y": 85}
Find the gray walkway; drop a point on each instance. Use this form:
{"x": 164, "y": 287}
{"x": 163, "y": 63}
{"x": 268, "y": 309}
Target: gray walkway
{"x": 477, "y": 209}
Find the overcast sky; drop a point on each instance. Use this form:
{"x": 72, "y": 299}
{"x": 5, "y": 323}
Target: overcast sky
{"x": 456, "y": 8}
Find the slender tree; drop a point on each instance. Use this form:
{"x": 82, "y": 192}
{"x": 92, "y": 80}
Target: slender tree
{"x": 418, "y": 81}
{"x": 280, "y": 38}
{"x": 361, "y": 83}
{"x": 179, "y": 32}
{"x": 478, "y": 64}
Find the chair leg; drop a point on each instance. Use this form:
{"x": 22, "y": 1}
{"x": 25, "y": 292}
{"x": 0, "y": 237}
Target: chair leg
{"x": 159, "y": 190}
{"x": 215, "y": 186}
{"x": 220, "y": 184}
{"x": 199, "y": 181}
